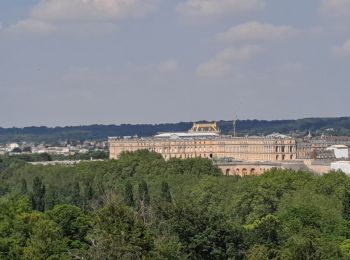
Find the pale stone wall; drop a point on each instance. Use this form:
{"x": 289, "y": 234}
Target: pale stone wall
{"x": 245, "y": 169}
{"x": 239, "y": 148}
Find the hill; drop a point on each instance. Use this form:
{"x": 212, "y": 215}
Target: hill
{"x": 334, "y": 126}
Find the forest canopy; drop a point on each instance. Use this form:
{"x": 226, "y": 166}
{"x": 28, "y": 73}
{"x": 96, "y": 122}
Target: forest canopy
{"x": 143, "y": 207}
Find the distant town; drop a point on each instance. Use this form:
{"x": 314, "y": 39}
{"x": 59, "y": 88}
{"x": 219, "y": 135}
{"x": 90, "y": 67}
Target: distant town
{"x": 62, "y": 148}
{"x": 235, "y": 153}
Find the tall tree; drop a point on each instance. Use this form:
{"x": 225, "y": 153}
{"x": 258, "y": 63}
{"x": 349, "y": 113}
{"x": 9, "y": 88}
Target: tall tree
{"x": 76, "y": 197}
{"x": 73, "y": 223}
{"x": 144, "y": 201}
{"x": 88, "y": 194}
{"x": 129, "y": 195}
{"x": 165, "y": 192}
{"x": 38, "y": 195}
{"x": 143, "y": 193}
{"x": 119, "y": 234}
{"x": 346, "y": 205}
{"x": 51, "y": 198}
{"x": 24, "y": 188}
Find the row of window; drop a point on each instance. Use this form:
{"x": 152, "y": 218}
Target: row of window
{"x": 186, "y": 156}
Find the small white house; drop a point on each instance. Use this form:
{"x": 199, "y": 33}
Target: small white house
{"x": 340, "y": 151}
{"x": 343, "y": 166}
{"x": 12, "y": 146}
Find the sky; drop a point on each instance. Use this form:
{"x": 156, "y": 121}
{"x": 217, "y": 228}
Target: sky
{"x": 77, "y": 62}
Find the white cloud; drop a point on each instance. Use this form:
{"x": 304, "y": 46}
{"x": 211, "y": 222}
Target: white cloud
{"x": 223, "y": 62}
{"x": 214, "y": 69}
{"x": 168, "y": 66}
{"x": 335, "y": 7}
{"x": 255, "y": 31}
{"x": 343, "y": 50}
{"x": 69, "y": 15}
{"x": 30, "y": 26}
{"x": 233, "y": 54}
{"x": 218, "y": 7}
{"x": 91, "y": 10}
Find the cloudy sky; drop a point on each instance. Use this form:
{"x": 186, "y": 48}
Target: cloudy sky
{"x": 72, "y": 62}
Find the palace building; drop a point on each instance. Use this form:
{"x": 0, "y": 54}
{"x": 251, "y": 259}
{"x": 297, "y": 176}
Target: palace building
{"x": 206, "y": 141}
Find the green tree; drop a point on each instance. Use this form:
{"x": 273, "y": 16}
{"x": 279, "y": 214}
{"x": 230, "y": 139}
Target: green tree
{"x": 165, "y": 192}
{"x": 144, "y": 202}
{"x": 144, "y": 197}
{"x": 346, "y": 205}
{"x": 258, "y": 252}
{"x": 266, "y": 231}
{"x": 205, "y": 234}
{"x": 88, "y": 194}
{"x": 24, "y": 189}
{"x": 129, "y": 195}
{"x": 11, "y": 239}
{"x": 345, "y": 248}
{"x": 51, "y": 198}
{"x": 76, "y": 196}
{"x": 119, "y": 234}
{"x": 310, "y": 244}
{"x": 73, "y": 223}
{"x": 45, "y": 241}
{"x": 38, "y": 194}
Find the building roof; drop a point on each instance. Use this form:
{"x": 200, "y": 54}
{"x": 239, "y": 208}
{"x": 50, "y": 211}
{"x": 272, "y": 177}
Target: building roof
{"x": 277, "y": 135}
{"x": 338, "y": 146}
{"x": 186, "y": 135}
{"x": 341, "y": 162}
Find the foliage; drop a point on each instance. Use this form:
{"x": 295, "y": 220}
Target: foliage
{"x": 129, "y": 195}
{"x": 143, "y": 207}
{"x": 38, "y": 195}
{"x": 118, "y": 234}
{"x": 165, "y": 192}
{"x": 45, "y": 157}
{"x": 73, "y": 223}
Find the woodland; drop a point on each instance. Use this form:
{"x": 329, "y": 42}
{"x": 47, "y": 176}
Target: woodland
{"x": 143, "y": 207}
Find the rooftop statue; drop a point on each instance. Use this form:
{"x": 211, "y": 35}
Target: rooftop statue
{"x": 209, "y": 127}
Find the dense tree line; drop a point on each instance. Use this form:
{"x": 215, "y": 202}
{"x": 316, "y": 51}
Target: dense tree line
{"x": 142, "y": 207}
{"x": 45, "y": 157}
{"x": 340, "y": 126}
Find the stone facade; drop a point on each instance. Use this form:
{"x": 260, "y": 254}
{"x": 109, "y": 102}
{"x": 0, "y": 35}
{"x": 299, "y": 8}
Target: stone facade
{"x": 247, "y": 168}
{"x": 316, "y": 147}
{"x": 238, "y": 148}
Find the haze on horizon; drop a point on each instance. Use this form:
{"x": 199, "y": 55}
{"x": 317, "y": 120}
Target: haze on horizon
{"x": 73, "y": 62}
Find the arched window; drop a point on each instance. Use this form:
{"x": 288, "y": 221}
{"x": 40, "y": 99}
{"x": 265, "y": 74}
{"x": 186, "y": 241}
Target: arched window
{"x": 227, "y": 172}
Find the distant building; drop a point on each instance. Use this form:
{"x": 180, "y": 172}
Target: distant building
{"x": 12, "y": 146}
{"x": 343, "y": 166}
{"x": 340, "y": 151}
{"x": 316, "y": 147}
{"x": 205, "y": 140}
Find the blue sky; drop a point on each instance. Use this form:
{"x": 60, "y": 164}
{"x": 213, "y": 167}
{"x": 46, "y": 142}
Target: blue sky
{"x": 72, "y": 62}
